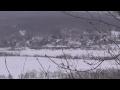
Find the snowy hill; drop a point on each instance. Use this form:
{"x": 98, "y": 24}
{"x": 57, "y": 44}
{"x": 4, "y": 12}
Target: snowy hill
{"x": 53, "y": 29}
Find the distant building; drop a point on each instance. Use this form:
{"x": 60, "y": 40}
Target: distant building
{"x": 115, "y": 33}
{"x": 22, "y": 32}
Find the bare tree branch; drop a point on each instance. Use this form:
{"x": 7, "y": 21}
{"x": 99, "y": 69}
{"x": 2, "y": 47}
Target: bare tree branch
{"x": 89, "y": 19}
{"x": 8, "y": 69}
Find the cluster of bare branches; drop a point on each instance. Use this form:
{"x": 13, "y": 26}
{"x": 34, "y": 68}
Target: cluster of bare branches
{"x": 99, "y": 20}
{"x": 95, "y": 62}
{"x": 71, "y": 69}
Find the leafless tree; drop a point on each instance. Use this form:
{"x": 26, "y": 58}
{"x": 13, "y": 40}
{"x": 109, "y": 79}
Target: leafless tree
{"x": 97, "y": 62}
{"x": 99, "y": 20}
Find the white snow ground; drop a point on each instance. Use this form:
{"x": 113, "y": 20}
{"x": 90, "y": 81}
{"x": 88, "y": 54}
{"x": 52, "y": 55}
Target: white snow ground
{"x": 15, "y": 65}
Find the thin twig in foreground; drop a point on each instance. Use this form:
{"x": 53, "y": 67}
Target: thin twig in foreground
{"x": 7, "y": 68}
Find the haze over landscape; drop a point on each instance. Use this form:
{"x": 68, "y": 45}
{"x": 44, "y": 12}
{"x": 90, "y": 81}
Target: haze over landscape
{"x": 41, "y": 21}
{"x": 33, "y": 42}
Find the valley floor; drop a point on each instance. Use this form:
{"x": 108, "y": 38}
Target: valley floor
{"x": 16, "y": 64}
{"x": 27, "y": 60}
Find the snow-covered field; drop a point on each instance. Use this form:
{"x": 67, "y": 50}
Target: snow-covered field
{"x": 15, "y": 65}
